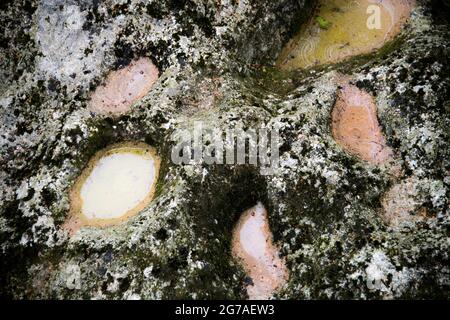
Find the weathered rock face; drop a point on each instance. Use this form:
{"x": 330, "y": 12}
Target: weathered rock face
{"x": 335, "y": 217}
{"x": 403, "y": 202}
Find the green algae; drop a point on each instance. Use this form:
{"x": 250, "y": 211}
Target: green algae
{"x": 323, "y": 23}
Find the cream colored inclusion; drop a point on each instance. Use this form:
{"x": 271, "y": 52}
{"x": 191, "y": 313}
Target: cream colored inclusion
{"x": 348, "y": 34}
{"x": 116, "y": 185}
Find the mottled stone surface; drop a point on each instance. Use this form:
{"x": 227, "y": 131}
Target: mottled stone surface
{"x": 327, "y": 208}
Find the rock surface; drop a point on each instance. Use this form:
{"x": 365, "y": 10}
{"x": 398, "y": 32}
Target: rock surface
{"x": 216, "y": 61}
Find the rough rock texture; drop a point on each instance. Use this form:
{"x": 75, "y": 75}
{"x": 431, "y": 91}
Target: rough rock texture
{"x": 215, "y": 60}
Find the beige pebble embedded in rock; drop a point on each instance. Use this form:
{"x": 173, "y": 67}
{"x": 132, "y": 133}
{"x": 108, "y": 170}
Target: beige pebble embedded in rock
{"x": 341, "y": 29}
{"x": 117, "y": 183}
{"x": 355, "y": 125}
{"x": 252, "y": 245}
{"x": 124, "y": 87}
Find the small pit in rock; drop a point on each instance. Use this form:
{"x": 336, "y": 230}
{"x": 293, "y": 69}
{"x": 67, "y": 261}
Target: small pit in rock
{"x": 124, "y": 87}
{"x": 342, "y": 29}
{"x": 252, "y": 245}
{"x": 355, "y": 125}
{"x": 117, "y": 183}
